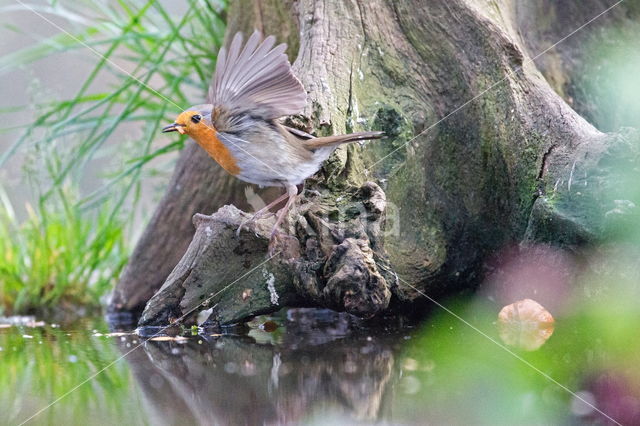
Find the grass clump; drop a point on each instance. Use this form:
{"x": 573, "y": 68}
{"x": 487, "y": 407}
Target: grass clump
{"x": 151, "y": 60}
{"x": 60, "y": 257}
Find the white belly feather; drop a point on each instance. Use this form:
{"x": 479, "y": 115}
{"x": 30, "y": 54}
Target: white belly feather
{"x": 272, "y": 162}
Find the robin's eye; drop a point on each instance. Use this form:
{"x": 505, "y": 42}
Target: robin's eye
{"x": 196, "y": 118}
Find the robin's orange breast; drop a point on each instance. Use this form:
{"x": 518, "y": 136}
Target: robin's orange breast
{"x": 209, "y": 141}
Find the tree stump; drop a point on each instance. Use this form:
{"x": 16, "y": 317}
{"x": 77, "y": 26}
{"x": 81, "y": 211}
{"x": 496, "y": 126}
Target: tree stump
{"x": 482, "y": 153}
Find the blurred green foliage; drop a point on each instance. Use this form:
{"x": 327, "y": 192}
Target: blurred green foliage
{"x": 460, "y": 375}
{"x": 607, "y": 88}
{"x": 155, "y": 61}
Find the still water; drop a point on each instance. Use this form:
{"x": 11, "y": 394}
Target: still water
{"x": 305, "y": 367}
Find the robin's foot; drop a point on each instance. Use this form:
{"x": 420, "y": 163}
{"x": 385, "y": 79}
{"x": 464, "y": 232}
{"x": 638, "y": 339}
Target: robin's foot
{"x": 257, "y": 216}
{"x": 263, "y": 212}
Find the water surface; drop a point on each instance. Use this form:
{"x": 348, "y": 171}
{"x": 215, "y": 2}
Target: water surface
{"x": 314, "y": 367}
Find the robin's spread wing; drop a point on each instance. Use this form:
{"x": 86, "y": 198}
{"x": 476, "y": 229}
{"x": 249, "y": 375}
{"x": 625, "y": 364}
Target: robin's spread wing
{"x": 257, "y": 78}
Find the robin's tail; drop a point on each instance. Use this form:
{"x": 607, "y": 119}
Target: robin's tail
{"x": 340, "y": 139}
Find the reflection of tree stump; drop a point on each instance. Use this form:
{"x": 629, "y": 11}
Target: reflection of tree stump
{"x": 507, "y": 159}
{"x": 233, "y": 380}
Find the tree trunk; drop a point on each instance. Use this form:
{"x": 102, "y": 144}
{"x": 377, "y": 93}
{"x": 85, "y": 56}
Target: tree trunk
{"x": 482, "y": 153}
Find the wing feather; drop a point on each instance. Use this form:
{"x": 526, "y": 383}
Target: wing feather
{"x": 256, "y": 77}
{"x": 253, "y": 49}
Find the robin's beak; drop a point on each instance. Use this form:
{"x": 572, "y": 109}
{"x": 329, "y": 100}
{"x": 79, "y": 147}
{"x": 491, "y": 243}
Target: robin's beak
{"x": 173, "y": 127}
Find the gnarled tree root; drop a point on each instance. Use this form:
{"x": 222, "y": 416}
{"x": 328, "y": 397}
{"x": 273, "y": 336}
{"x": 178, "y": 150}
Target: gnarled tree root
{"x": 335, "y": 261}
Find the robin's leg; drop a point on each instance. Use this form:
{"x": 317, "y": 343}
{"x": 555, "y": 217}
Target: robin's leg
{"x": 292, "y": 192}
{"x": 257, "y": 215}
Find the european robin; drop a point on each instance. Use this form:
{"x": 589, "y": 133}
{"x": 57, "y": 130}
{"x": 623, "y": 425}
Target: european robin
{"x": 252, "y": 87}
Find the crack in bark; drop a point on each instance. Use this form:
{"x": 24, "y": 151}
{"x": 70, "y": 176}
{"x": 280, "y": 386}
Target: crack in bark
{"x": 543, "y": 164}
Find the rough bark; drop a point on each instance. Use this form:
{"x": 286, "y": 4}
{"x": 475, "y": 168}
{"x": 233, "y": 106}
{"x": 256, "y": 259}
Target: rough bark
{"x": 502, "y": 159}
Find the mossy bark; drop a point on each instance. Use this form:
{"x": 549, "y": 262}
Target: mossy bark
{"x": 480, "y": 153}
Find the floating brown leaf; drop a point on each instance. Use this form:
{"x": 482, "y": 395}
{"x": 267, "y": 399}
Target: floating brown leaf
{"x": 525, "y": 324}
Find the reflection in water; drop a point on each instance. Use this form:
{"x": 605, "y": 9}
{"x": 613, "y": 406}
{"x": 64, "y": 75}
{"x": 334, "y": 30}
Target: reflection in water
{"x": 41, "y": 362}
{"x": 326, "y": 368}
{"x": 320, "y": 365}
